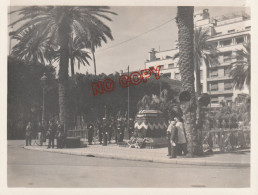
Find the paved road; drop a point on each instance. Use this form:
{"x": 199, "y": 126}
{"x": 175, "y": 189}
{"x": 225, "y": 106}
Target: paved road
{"x": 27, "y": 168}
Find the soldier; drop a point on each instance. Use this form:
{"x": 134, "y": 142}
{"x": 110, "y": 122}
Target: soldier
{"x": 120, "y": 130}
{"x": 40, "y": 133}
{"x": 60, "y": 135}
{"x": 100, "y": 130}
{"x": 110, "y": 129}
{"x": 105, "y": 131}
{"x": 90, "y": 132}
{"x": 131, "y": 127}
{"x": 51, "y": 134}
{"x": 28, "y": 134}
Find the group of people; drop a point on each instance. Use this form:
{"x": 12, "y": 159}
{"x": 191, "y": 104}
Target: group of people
{"x": 51, "y": 131}
{"x": 108, "y": 128}
{"x": 177, "y": 142}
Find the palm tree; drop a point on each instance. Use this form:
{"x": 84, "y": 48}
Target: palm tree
{"x": 94, "y": 39}
{"x": 241, "y": 68}
{"x": 76, "y": 52}
{"x": 186, "y": 67}
{"x": 203, "y": 52}
{"x": 31, "y": 46}
{"x": 59, "y": 23}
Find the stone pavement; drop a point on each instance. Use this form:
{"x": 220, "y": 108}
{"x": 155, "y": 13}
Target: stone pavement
{"x": 235, "y": 159}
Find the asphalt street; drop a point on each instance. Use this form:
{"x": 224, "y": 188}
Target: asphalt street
{"x": 28, "y": 168}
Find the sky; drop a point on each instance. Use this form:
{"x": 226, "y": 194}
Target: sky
{"x": 131, "y": 22}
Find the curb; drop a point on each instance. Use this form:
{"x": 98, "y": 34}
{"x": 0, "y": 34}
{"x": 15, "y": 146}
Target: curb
{"x": 143, "y": 159}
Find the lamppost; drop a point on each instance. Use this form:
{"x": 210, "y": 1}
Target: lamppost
{"x": 43, "y": 82}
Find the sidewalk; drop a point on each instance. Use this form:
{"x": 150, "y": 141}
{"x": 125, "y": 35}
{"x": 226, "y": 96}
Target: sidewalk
{"x": 234, "y": 159}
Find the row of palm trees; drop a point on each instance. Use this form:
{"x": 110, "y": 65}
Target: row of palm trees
{"x": 61, "y": 33}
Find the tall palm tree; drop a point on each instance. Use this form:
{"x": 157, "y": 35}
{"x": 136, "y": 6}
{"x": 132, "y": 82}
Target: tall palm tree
{"x": 186, "y": 67}
{"x": 94, "y": 38}
{"x": 59, "y": 22}
{"x": 31, "y": 45}
{"x": 241, "y": 68}
{"x": 203, "y": 52}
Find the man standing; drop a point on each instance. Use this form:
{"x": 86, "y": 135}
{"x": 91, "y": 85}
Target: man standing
{"x": 105, "y": 131}
{"x": 131, "y": 127}
{"x": 28, "y": 134}
{"x": 90, "y": 132}
{"x": 168, "y": 137}
{"x": 51, "y": 134}
{"x": 119, "y": 128}
{"x": 100, "y": 130}
{"x": 40, "y": 133}
{"x": 173, "y": 139}
{"x": 60, "y": 135}
{"x": 181, "y": 144}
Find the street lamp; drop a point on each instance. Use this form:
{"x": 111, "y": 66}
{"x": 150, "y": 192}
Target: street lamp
{"x": 43, "y": 82}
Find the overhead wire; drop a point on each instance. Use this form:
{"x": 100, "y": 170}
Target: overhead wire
{"x": 132, "y": 38}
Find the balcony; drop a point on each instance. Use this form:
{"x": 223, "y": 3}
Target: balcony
{"x": 230, "y": 91}
{"x": 218, "y": 78}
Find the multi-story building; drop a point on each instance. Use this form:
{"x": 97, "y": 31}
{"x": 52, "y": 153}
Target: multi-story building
{"x": 228, "y": 33}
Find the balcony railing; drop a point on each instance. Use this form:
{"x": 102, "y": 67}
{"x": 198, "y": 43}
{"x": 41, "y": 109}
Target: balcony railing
{"x": 221, "y": 92}
{"x": 214, "y": 78}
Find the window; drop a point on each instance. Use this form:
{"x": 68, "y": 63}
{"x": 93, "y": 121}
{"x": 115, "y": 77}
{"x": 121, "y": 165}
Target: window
{"x": 161, "y": 67}
{"x": 168, "y": 57}
{"x": 227, "y": 86}
{"x": 226, "y": 71}
{"x": 215, "y": 100}
{"x": 226, "y": 42}
{"x": 171, "y": 65}
{"x": 248, "y": 27}
{"x": 177, "y": 76}
{"x": 214, "y": 86}
{"x": 214, "y": 73}
{"x": 227, "y": 57}
{"x": 218, "y": 33}
{"x": 231, "y": 31}
{"x": 239, "y": 40}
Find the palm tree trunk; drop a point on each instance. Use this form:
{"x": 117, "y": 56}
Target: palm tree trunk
{"x": 94, "y": 60}
{"x": 63, "y": 71}
{"x": 72, "y": 66}
{"x": 186, "y": 67}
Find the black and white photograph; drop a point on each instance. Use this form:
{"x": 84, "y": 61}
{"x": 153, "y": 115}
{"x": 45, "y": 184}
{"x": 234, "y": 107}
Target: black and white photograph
{"x": 112, "y": 96}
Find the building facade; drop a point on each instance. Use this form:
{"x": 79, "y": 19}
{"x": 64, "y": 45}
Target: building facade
{"x": 228, "y": 33}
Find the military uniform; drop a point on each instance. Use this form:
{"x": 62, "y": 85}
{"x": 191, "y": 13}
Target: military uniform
{"x": 110, "y": 130}
{"x": 51, "y": 135}
{"x": 131, "y": 128}
{"x": 100, "y": 130}
{"x": 105, "y": 132}
{"x": 28, "y": 134}
{"x": 90, "y": 133}
{"x": 120, "y": 131}
{"x": 60, "y": 136}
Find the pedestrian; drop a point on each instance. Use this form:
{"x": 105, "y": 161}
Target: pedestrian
{"x": 181, "y": 143}
{"x": 173, "y": 139}
{"x": 40, "y": 133}
{"x": 168, "y": 137}
{"x": 105, "y": 131}
{"x": 131, "y": 127}
{"x": 59, "y": 135}
{"x": 28, "y": 134}
{"x": 51, "y": 134}
{"x": 120, "y": 130}
{"x": 90, "y": 132}
{"x": 110, "y": 129}
{"x": 100, "y": 130}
